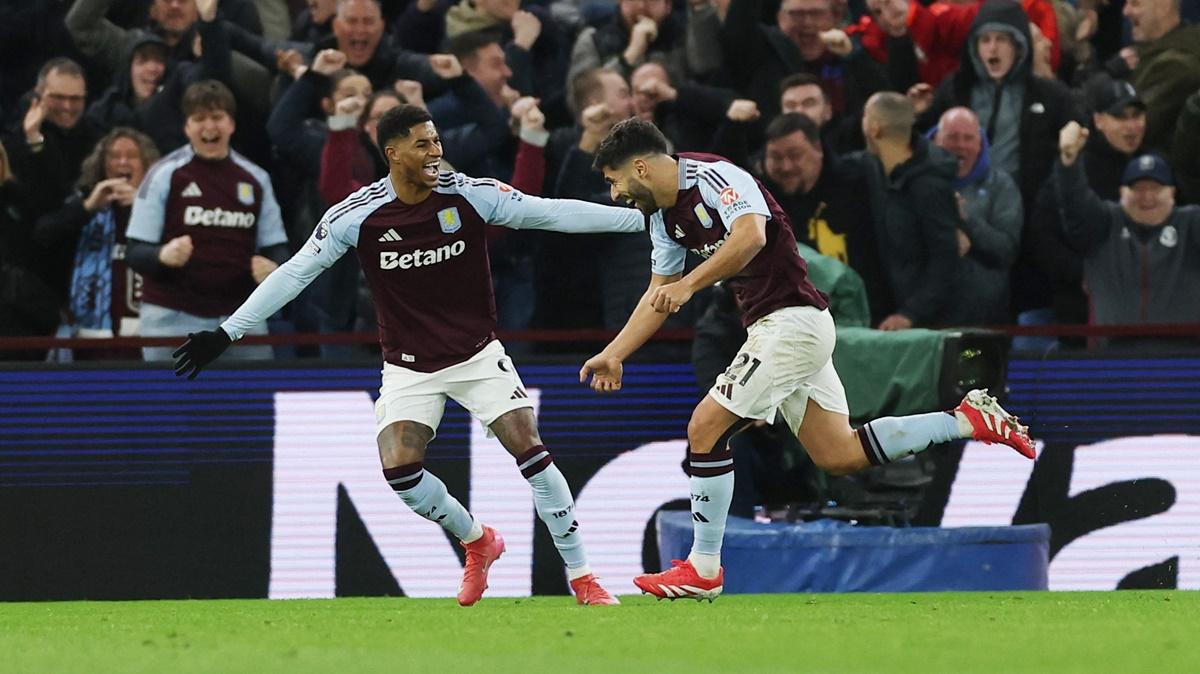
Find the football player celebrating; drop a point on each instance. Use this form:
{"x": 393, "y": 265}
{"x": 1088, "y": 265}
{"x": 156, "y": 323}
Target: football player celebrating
{"x": 706, "y": 205}
{"x": 419, "y": 234}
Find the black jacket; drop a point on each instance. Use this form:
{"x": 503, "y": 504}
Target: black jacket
{"x": 915, "y": 217}
{"x": 160, "y": 116}
{"x": 758, "y": 56}
{"x": 834, "y": 219}
{"x": 49, "y": 175}
{"x": 28, "y": 305}
{"x": 1057, "y": 260}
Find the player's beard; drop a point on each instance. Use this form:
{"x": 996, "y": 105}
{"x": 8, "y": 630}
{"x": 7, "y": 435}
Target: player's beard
{"x": 642, "y": 196}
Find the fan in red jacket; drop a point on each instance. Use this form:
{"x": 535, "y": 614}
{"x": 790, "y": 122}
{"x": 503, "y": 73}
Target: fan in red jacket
{"x": 938, "y": 31}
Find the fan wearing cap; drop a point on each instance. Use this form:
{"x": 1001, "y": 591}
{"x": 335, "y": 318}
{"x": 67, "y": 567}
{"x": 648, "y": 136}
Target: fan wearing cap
{"x": 1119, "y": 115}
{"x": 1119, "y": 124}
{"x": 1144, "y": 238}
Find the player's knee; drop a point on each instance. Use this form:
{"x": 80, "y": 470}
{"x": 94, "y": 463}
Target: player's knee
{"x": 403, "y": 443}
{"x": 701, "y": 438}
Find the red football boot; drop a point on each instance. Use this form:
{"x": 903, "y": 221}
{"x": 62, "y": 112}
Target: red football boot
{"x": 588, "y": 592}
{"x": 681, "y": 580}
{"x": 991, "y": 423}
{"x": 480, "y": 555}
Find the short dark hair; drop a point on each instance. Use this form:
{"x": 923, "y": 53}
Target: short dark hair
{"x": 397, "y": 122}
{"x": 800, "y": 80}
{"x": 629, "y": 138}
{"x": 791, "y": 122}
{"x": 207, "y": 95}
{"x": 61, "y": 65}
{"x": 465, "y": 45}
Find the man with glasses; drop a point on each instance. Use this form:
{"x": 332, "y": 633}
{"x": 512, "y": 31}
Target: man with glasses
{"x": 47, "y": 149}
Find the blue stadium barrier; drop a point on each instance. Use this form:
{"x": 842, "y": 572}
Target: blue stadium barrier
{"x": 832, "y": 556}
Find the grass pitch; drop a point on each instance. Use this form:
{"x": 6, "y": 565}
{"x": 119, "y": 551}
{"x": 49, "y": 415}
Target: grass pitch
{"x": 895, "y": 633}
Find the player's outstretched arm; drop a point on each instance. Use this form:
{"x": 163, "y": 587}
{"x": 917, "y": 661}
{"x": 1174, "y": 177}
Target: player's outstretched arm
{"x": 573, "y": 216}
{"x": 605, "y": 368}
{"x": 279, "y": 288}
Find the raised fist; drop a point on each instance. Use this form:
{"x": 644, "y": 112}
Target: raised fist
{"x": 329, "y": 61}
{"x": 412, "y": 91}
{"x": 921, "y": 96}
{"x": 445, "y": 66}
{"x": 1071, "y": 139}
{"x": 657, "y": 91}
{"x": 526, "y": 28}
{"x": 350, "y": 106}
{"x": 743, "y": 110}
{"x": 837, "y": 42}
{"x": 598, "y": 119}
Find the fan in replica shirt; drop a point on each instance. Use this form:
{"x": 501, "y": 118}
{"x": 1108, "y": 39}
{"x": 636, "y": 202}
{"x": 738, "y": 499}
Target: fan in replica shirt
{"x": 205, "y": 228}
{"x": 706, "y": 205}
{"x": 420, "y": 238}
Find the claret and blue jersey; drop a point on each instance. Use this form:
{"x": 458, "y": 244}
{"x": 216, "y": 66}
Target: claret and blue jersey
{"x": 713, "y": 193}
{"x": 427, "y": 263}
{"x": 228, "y": 208}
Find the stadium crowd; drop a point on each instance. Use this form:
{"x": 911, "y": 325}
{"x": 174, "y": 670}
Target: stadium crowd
{"x": 973, "y": 163}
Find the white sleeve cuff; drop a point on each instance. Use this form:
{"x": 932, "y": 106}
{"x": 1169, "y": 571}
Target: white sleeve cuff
{"x": 537, "y": 137}
{"x": 342, "y": 122}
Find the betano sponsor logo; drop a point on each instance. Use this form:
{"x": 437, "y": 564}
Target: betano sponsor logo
{"x": 389, "y": 259}
{"x": 217, "y": 217}
{"x": 708, "y": 250}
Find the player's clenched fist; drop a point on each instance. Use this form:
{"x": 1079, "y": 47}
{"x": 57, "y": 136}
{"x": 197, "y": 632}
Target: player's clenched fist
{"x": 1071, "y": 139}
{"x": 605, "y": 372}
{"x": 670, "y": 297}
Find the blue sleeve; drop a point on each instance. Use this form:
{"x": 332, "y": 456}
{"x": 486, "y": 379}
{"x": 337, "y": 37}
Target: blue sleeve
{"x": 325, "y": 245}
{"x": 732, "y": 192}
{"x": 269, "y": 226}
{"x": 501, "y": 204}
{"x": 270, "y": 220}
{"x": 146, "y": 221}
{"x": 667, "y": 258}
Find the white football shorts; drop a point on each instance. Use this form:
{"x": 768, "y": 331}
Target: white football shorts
{"x": 786, "y": 361}
{"x": 487, "y": 385}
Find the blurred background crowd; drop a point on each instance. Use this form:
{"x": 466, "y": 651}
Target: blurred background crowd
{"x": 960, "y": 163}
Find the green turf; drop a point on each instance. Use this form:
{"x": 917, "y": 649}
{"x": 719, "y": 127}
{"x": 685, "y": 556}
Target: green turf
{"x": 978, "y": 632}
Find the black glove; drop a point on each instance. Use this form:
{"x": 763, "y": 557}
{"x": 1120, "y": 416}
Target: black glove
{"x": 199, "y": 350}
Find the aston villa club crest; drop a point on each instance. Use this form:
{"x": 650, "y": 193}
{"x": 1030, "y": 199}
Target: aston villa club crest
{"x": 702, "y": 214}
{"x": 449, "y": 220}
{"x": 246, "y": 193}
